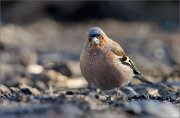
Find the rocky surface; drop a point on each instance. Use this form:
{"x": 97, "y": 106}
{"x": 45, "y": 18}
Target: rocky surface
{"x": 40, "y": 74}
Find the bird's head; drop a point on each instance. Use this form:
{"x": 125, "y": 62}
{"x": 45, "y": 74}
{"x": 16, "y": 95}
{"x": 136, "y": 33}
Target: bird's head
{"x": 96, "y": 37}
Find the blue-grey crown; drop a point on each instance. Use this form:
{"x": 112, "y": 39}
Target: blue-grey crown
{"x": 95, "y": 31}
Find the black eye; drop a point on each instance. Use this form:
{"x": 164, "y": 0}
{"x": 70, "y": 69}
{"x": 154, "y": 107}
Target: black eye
{"x": 89, "y": 39}
{"x": 100, "y": 37}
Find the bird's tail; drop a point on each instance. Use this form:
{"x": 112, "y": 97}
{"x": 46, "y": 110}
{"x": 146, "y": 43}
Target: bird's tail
{"x": 143, "y": 79}
{"x": 151, "y": 84}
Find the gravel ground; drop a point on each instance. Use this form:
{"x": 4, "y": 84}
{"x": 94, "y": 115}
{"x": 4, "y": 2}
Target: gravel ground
{"x": 40, "y": 74}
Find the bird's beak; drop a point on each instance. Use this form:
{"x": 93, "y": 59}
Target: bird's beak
{"x": 95, "y": 40}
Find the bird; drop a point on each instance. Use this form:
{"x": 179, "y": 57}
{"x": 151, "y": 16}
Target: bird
{"x": 104, "y": 63}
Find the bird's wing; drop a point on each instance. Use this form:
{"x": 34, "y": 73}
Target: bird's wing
{"x": 117, "y": 50}
{"x": 131, "y": 64}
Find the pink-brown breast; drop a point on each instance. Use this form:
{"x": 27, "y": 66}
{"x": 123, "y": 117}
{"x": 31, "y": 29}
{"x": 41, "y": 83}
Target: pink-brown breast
{"x": 103, "y": 69}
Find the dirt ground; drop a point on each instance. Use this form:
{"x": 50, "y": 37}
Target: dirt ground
{"x": 40, "y": 75}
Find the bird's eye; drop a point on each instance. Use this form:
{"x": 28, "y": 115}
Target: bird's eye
{"x": 89, "y": 39}
{"x": 100, "y": 37}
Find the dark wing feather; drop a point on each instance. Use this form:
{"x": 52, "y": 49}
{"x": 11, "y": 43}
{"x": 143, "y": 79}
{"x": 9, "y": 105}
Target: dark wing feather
{"x": 131, "y": 64}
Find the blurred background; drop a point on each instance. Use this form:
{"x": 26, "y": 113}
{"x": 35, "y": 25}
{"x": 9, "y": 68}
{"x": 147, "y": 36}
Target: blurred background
{"x": 43, "y": 39}
{"x": 40, "y": 45}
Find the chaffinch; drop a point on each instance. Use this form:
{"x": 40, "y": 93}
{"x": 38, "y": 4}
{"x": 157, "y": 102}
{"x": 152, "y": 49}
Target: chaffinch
{"x": 104, "y": 63}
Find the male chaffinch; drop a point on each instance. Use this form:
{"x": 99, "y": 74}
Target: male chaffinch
{"x": 104, "y": 63}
